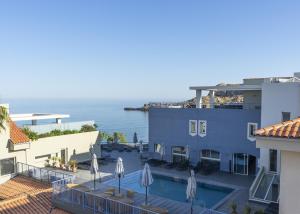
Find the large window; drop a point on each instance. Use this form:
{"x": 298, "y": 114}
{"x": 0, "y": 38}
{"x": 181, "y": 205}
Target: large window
{"x": 193, "y": 127}
{"x": 7, "y": 166}
{"x": 252, "y": 127}
{"x": 210, "y": 154}
{"x": 178, "y": 153}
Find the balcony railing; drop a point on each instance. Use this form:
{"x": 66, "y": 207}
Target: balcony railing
{"x": 77, "y": 201}
{"x": 42, "y": 174}
{"x": 233, "y": 105}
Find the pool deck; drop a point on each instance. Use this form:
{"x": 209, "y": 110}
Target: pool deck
{"x": 132, "y": 162}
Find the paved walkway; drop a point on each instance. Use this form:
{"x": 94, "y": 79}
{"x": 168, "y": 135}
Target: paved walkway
{"x": 132, "y": 163}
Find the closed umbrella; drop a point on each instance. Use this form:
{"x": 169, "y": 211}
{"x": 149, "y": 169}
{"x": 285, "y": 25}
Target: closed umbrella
{"x": 162, "y": 151}
{"x": 94, "y": 168}
{"x": 191, "y": 189}
{"x": 141, "y": 148}
{"x": 187, "y": 152}
{"x": 135, "y": 138}
{"x": 147, "y": 180}
{"x": 119, "y": 171}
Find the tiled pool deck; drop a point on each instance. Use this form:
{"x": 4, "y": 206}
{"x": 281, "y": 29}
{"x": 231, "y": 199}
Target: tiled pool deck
{"x": 132, "y": 163}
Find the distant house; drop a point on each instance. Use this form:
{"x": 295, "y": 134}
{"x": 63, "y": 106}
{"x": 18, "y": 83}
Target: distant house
{"x": 224, "y": 133}
{"x": 15, "y": 146}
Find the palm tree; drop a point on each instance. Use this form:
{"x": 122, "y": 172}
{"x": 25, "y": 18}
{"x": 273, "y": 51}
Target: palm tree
{"x": 3, "y": 117}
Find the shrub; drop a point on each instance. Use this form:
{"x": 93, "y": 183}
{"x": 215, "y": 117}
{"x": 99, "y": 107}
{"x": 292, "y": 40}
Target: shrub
{"x": 30, "y": 134}
{"x": 88, "y": 128}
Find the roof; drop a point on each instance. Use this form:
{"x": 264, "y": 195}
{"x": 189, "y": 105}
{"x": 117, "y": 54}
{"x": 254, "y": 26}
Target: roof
{"x": 24, "y": 195}
{"x": 288, "y": 129}
{"x": 37, "y": 116}
{"x": 16, "y": 134}
{"x": 231, "y": 87}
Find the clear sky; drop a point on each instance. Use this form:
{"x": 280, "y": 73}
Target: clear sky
{"x": 142, "y": 49}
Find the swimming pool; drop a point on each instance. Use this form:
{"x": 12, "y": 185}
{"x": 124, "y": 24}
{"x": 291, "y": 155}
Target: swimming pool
{"x": 173, "y": 188}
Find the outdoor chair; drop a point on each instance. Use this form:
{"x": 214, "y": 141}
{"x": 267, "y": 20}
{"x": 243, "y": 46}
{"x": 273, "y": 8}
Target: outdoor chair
{"x": 130, "y": 194}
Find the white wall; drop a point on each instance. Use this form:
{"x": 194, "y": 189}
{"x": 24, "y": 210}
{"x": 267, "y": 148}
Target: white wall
{"x": 51, "y": 145}
{"x": 289, "y": 183}
{"x": 278, "y": 98}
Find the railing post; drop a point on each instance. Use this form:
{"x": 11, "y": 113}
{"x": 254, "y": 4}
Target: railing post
{"x": 22, "y": 169}
{"x": 94, "y": 205}
{"x": 41, "y": 175}
{"x": 83, "y": 200}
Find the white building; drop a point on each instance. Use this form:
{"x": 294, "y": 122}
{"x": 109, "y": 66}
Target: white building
{"x": 15, "y": 146}
{"x": 284, "y": 137}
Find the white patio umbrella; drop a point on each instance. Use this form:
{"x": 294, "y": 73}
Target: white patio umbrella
{"x": 187, "y": 152}
{"x": 191, "y": 189}
{"x": 141, "y": 147}
{"x": 147, "y": 180}
{"x": 94, "y": 167}
{"x": 162, "y": 151}
{"x": 119, "y": 171}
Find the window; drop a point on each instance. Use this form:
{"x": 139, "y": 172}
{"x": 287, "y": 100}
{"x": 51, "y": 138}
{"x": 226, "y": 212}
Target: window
{"x": 43, "y": 156}
{"x": 210, "y": 154}
{"x": 193, "y": 127}
{"x": 157, "y": 147}
{"x": 7, "y": 166}
{"x": 286, "y": 116}
{"x": 202, "y": 128}
{"x": 178, "y": 154}
{"x": 252, "y": 127}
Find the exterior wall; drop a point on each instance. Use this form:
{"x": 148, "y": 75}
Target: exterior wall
{"x": 52, "y": 145}
{"x": 252, "y": 99}
{"x": 278, "y": 98}
{"x": 289, "y": 179}
{"x": 80, "y": 142}
{"x": 60, "y": 126}
{"x": 226, "y": 131}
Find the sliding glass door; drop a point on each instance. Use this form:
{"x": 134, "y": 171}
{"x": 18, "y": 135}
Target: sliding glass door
{"x": 240, "y": 163}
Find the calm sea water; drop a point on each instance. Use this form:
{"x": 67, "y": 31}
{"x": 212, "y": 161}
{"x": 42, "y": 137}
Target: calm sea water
{"x": 109, "y": 115}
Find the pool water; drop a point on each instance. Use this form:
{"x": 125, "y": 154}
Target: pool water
{"x": 174, "y": 189}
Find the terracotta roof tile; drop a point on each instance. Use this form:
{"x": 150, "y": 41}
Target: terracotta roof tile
{"x": 16, "y": 134}
{"x": 288, "y": 129}
{"x": 22, "y": 195}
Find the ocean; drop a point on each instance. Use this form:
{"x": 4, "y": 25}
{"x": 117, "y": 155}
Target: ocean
{"x": 108, "y": 115}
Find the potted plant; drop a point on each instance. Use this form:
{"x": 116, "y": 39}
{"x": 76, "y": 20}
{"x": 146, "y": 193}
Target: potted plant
{"x": 53, "y": 161}
{"x": 73, "y": 165}
{"x": 233, "y": 207}
{"x": 247, "y": 209}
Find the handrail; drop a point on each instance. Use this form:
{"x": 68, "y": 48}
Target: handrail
{"x": 106, "y": 204}
{"x": 38, "y": 172}
{"x": 256, "y": 181}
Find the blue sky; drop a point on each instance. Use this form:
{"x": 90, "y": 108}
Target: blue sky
{"x": 142, "y": 49}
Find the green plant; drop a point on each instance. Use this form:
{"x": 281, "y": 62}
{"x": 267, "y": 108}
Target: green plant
{"x": 247, "y": 209}
{"x": 88, "y": 128}
{"x": 233, "y": 207}
{"x": 73, "y": 163}
{"x": 53, "y": 159}
{"x": 119, "y": 137}
{"x": 260, "y": 212}
{"x": 4, "y": 117}
{"x": 30, "y": 134}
